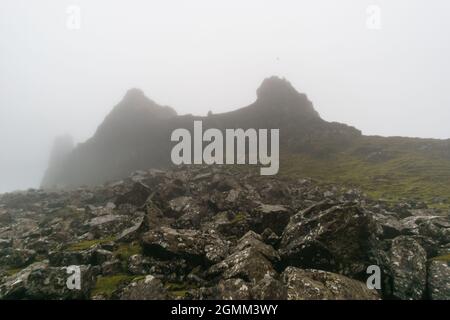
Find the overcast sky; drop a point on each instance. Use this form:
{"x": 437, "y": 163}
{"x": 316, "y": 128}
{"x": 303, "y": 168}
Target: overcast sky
{"x": 202, "y": 55}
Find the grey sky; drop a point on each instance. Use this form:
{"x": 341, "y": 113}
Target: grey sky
{"x": 205, "y": 55}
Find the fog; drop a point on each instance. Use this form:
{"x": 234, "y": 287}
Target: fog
{"x": 391, "y": 78}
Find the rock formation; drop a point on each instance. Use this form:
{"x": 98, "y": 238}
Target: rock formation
{"x": 208, "y": 232}
{"x": 136, "y": 134}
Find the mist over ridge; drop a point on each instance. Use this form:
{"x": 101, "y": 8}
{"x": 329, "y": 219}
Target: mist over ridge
{"x": 56, "y": 80}
{"x": 136, "y": 136}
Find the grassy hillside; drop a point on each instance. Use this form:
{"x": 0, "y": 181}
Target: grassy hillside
{"x": 388, "y": 168}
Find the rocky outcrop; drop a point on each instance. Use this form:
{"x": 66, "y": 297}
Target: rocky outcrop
{"x": 128, "y": 137}
{"x": 250, "y": 260}
{"x": 407, "y": 268}
{"x": 439, "y": 280}
{"x": 195, "y": 246}
{"x": 312, "y": 284}
{"x": 329, "y": 236}
{"x": 39, "y": 281}
{"x": 149, "y": 288}
{"x": 219, "y": 233}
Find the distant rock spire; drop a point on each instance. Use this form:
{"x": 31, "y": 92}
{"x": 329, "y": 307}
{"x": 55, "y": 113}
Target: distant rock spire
{"x": 276, "y": 94}
{"x": 133, "y": 95}
{"x": 275, "y": 88}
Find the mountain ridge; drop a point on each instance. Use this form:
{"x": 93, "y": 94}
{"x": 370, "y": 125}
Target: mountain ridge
{"x": 135, "y": 135}
{"x": 123, "y": 141}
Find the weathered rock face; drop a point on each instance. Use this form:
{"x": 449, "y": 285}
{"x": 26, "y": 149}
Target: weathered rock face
{"x": 14, "y": 287}
{"x": 219, "y": 233}
{"x": 138, "y": 126}
{"x": 133, "y": 232}
{"x": 407, "y": 267}
{"x": 16, "y": 257}
{"x": 341, "y": 238}
{"x": 137, "y": 196}
{"x": 39, "y": 281}
{"x": 94, "y": 256}
{"x": 431, "y": 232}
{"x": 275, "y": 217}
{"x": 270, "y": 289}
{"x": 149, "y": 288}
{"x": 318, "y": 285}
{"x": 251, "y": 260}
{"x": 195, "y": 246}
{"x": 439, "y": 280}
{"x": 230, "y": 289}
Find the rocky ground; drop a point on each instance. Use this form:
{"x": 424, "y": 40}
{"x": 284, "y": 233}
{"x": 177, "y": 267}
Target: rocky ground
{"x": 219, "y": 233}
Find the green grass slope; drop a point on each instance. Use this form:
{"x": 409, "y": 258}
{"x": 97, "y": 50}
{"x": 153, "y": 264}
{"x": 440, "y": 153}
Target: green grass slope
{"x": 389, "y": 168}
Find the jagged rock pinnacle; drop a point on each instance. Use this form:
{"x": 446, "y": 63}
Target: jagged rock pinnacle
{"x": 278, "y": 94}
{"x": 134, "y": 95}
{"x": 275, "y": 88}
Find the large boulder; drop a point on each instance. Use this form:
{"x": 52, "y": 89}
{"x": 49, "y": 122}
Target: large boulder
{"x": 407, "y": 269}
{"x": 337, "y": 238}
{"x": 137, "y": 264}
{"x": 312, "y": 284}
{"x": 5, "y": 243}
{"x": 133, "y": 232}
{"x": 137, "y": 196}
{"x": 255, "y": 241}
{"x": 149, "y": 288}
{"x": 233, "y": 289}
{"x": 275, "y": 217}
{"x": 390, "y": 225}
{"x": 195, "y": 246}
{"x": 439, "y": 280}
{"x": 14, "y": 287}
{"x": 248, "y": 264}
{"x": 92, "y": 256}
{"x": 229, "y": 289}
{"x": 188, "y": 211}
{"x": 16, "y": 258}
{"x": 250, "y": 260}
{"x": 428, "y": 225}
{"x": 270, "y": 288}
{"x": 39, "y": 281}
{"x": 229, "y": 224}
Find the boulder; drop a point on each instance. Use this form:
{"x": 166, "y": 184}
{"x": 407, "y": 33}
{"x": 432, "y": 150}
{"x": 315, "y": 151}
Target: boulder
{"x": 407, "y": 269}
{"x": 336, "y": 238}
{"x": 111, "y": 267}
{"x": 255, "y": 241}
{"x": 275, "y": 217}
{"x": 133, "y": 232}
{"x": 92, "y": 256}
{"x": 5, "y": 243}
{"x": 251, "y": 260}
{"x": 39, "y": 281}
{"x": 233, "y": 289}
{"x": 137, "y": 196}
{"x": 179, "y": 204}
{"x": 195, "y": 246}
{"x": 270, "y": 288}
{"x": 149, "y": 288}
{"x": 270, "y": 237}
{"x": 313, "y": 284}
{"x": 137, "y": 264}
{"x": 105, "y": 220}
{"x": 16, "y": 258}
{"x": 439, "y": 280}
